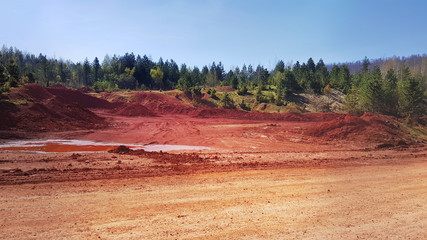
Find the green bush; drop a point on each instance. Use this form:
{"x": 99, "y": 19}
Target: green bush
{"x": 244, "y": 106}
{"x": 226, "y": 101}
{"x": 243, "y": 90}
{"x": 104, "y": 86}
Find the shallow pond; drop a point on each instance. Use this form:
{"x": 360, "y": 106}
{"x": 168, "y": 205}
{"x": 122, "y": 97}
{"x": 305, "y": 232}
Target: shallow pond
{"x": 60, "y": 145}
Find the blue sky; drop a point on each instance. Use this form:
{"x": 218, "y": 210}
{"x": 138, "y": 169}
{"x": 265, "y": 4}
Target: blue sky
{"x": 234, "y": 32}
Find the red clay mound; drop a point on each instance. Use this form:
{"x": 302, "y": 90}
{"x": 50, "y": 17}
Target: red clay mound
{"x": 79, "y": 98}
{"x": 53, "y": 115}
{"x": 32, "y": 92}
{"x": 7, "y": 119}
{"x": 33, "y": 108}
{"x": 134, "y": 110}
{"x": 370, "y": 127}
{"x": 161, "y": 103}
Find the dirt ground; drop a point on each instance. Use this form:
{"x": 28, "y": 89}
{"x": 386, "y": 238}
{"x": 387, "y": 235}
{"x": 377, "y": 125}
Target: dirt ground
{"x": 260, "y": 179}
{"x": 364, "y": 202}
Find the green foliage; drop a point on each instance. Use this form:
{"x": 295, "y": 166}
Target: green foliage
{"x": 157, "y": 75}
{"x": 280, "y": 97}
{"x": 196, "y": 94}
{"x": 105, "y": 86}
{"x": 244, "y": 106}
{"x": 96, "y": 68}
{"x": 411, "y": 97}
{"x": 212, "y": 79}
{"x": 340, "y": 78}
{"x": 86, "y": 72}
{"x": 352, "y": 101}
{"x": 127, "y": 80}
{"x": 365, "y": 66}
{"x": 185, "y": 82}
{"x": 401, "y": 91}
{"x": 243, "y": 90}
{"x": 5, "y": 87}
{"x": 212, "y": 93}
{"x": 270, "y": 98}
{"x": 372, "y": 95}
{"x": 226, "y": 101}
{"x": 390, "y": 93}
{"x": 280, "y": 66}
{"x": 259, "y": 96}
{"x": 234, "y": 82}
{"x": 8, "y": 74}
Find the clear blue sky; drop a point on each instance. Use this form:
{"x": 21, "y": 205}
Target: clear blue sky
{"x": 232, "y": 31}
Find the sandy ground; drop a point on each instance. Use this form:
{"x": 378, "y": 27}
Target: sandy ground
{"x": 369, "y": 202}
{"x": 260, "y": 180}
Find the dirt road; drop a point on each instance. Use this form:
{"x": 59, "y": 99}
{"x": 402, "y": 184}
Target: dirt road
{"x": 365, "y": 202}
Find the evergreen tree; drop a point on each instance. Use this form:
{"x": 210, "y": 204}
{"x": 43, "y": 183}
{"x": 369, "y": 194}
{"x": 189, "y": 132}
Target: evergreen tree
{"x": 322, "y": 74}
{"x": 234, "y": 82}
{"x": 185, "y": 82}
{"x": 96, "y": 68}
{"x": 372, "y": 92}
{"x": 226, "y": 101}
{"x": 335, "y": 77}
{"x": 86, "y": 72}
{"x": 390, "y": 93}
{"x": 411, "y": 93}
{"x": 344, "y": 79}
{"x": 365, "y": 65}
{"x": 280, "y": 66}
{"x": 311, "y": 66}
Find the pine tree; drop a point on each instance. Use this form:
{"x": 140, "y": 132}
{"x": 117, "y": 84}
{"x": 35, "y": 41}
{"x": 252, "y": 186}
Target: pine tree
{"x": 411, "y": 102}
{"x": 86, "y": 72}
{"x": 365, "y": 65}
{"x": 372, "y": 96}
{"x": 96, "y": 68}
{"x": 390, "y": 93}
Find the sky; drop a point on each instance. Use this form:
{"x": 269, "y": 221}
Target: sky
{"x": 235, "y": 32}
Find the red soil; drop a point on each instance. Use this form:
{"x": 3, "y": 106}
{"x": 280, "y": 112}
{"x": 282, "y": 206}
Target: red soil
{"x": 38, "y": 109}
{"x": 133, "y": 110}
{"x": 30, "y": 92}
{"x": 369, "y": 127}
{"x": 58, "y": 108}
{"x": 162, "y": 104}
{"x": 7, "y": 118}
{"x": 264, "y": 172}
{"x": 79, "y": 98}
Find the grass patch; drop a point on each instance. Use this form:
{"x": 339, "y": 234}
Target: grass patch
{"x": 417, "y": 132}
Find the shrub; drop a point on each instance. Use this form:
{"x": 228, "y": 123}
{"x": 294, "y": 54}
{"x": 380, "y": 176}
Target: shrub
{"x": 242, "y": 90}
{"x": 104, "y": 86}
{"x": 244, "y": 106}
{"x": 196, "y": 93}
{"x": 227, "y": 102}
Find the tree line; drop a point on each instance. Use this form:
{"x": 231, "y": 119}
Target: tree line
{"x": 394, "y": 88}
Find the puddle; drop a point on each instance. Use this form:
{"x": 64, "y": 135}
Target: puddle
{"x": 58, "y": 145}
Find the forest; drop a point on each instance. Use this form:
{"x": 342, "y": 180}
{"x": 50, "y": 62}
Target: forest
{"x": 394, "y": 86}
